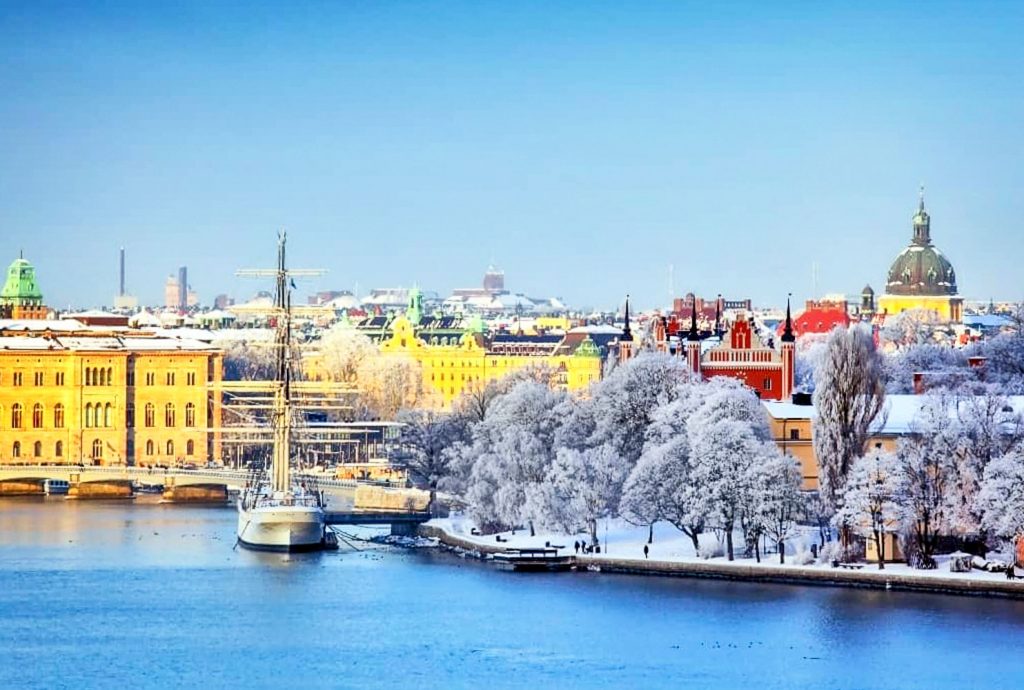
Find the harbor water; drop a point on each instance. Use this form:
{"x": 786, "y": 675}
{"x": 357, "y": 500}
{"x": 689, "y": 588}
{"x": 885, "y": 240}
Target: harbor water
{"x": 144, "y": 594}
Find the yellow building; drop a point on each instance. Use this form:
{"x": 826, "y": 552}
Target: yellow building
{"x": 921, "y": 277}
{"x": 451, "y": 367}
{"x": 69, "y": 394}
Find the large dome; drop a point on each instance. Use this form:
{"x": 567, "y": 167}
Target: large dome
{"x": 921, "y": 269}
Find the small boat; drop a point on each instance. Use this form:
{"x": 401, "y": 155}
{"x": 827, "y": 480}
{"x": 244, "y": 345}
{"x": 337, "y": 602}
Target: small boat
{"x": 55, "y": 487}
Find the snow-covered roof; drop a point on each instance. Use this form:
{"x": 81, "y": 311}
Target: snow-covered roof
{"x": 899, "y": 412}
{"x": 92, "y": 344}
{"x": 41, "y": 325}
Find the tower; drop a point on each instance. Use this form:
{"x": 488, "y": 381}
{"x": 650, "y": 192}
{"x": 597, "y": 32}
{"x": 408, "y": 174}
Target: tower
{"x": 414, "y": 310}
{"x": 693, "y": 340}
{"x": 626, "y": 339}
{"x": 183, "y": 289}
{"x": 788, "y": 356}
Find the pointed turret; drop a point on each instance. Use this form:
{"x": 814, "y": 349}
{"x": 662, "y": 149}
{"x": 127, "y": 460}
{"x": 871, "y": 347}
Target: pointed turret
{"x": 693, "y": 335}
{"x": 787, "y": 332}
{"x": 718, "y": 316}
{"x": 627, "y": 333}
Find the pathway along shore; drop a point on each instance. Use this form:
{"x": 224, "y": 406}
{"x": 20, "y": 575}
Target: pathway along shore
{"x": 764, "y": 572}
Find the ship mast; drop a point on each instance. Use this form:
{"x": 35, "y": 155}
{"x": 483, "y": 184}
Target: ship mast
{"x": 281, "y": 424}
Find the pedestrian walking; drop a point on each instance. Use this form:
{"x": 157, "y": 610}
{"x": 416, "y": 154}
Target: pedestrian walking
{"x": 646, "y": 551}
{"x": 576, "y": 545}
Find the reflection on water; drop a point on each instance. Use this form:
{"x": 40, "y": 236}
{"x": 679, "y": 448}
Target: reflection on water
{"x": 140, "y": 593}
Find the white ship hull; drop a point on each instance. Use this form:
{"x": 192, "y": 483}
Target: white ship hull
{"x": 282, "y": 528}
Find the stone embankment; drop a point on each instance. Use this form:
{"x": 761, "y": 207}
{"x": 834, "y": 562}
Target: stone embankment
{"x": 933, "y": 582}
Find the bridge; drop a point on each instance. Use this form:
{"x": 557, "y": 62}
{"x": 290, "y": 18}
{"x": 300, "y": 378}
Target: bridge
{"x": 94, "y": 481}
{"x": 403, "y": 523}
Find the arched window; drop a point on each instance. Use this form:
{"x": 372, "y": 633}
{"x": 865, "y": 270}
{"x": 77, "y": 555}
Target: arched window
{"x": 110, "y": 376}
{"x": 149, "y": 447}
{"x": 107, "y": 409}
{"x": 97, "y": 415}
{"x": 16, "y": 416}
{"x": 88, "y": 377}
{"x": 58, "y": 416}
{"x": 37, "y": 416}
{"x": 37, "y": 449}
{"x": 170, "y": 447}
{"x": 150, "y": 415}
{"x": 58, "y": 449}
{"x": 97, "y": 449}
{"x": 190, "y": 448}
{"x": 190, "y": 414}
{"x": 88, "y": 414}
{"x": 169, "y": 415}
{"x": 101, "y": 377}
{"x": 16, "y": 449}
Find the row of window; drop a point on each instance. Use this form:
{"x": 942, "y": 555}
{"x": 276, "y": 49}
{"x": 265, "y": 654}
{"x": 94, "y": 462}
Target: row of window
{"x": 100, "y": 415}
{"x": 38, "y": 378}
{"x": 96, "y": 450}
{"x": 170, "y": 378}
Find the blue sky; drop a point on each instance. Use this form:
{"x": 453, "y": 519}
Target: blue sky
{"x": 584, "y": 147}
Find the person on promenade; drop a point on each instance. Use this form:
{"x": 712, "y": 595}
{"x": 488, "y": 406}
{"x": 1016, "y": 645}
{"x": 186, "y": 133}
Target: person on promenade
{"x": 576, "y": 545}
{"x": 646, "y": 551}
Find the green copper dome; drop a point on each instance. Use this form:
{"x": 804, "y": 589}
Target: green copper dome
{"x": 20, "y": 288}
{"x": 921, "y": 269}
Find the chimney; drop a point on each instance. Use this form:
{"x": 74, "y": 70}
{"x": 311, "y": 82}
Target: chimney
{"x": 919, "y": 382}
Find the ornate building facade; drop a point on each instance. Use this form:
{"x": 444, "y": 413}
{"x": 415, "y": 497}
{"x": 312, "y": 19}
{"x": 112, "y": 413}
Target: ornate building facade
{"x": 20, "y": 297}
{"x": 76, "y": 395}
{"x": 921, "y": 277}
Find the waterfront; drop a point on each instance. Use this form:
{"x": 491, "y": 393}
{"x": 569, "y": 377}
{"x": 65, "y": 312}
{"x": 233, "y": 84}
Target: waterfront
{"x": 142, "y": 594}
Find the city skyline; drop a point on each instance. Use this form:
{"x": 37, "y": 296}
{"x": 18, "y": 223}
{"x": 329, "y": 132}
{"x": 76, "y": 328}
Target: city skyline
{"x": 584, "y": 152}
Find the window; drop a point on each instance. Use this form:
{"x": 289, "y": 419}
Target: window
{"x": 17, "y": 378}
{"x": 878, "y": 445}
{"x": 97, "y": 449}
{"x": 97, "y": 415}
{"x": 150, "y": 414}
{"x": 190, "y": 378}
{"x": 170, "y": 447}
{"x": 102, "y": 377}
{"x": 169, "y": 415}
{"x": 767, "y": 384}
{"x": 190, "y": 415}
{"x": 16, "y": 449}
{"x": 129, "y": 413}
{"x": 88, "y": 414}
{"x": 150, "y": 379}
{"x": 130, "y": 376}
{"x": 110, "y": 376}
{"x": 149, "y": 447}
{"x": 37, "y": 416}
{"x": 16, "y": 416}
{"x": 58, "y": 449}
{"x": 190, "y": 448}
{"x": 37, "y": 449}
{"x": 37, "y": 378}
{"x": 58, "y": 378}
{"x": 88, "y": 377}
{"x": 170, "y": 378}
{"x": 107, "y": 410}
{"x": 794, "y": 434}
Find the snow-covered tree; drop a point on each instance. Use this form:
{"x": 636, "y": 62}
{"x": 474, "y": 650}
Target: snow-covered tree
{"x": 344, "y": 351}
{"x": 245, "y": 361}
{"x": 428, "y": 446}
{"x": 388, "y": 384}
{"x": 1001, "y": 498}
{"x": 874, "y": 499}
{"x": 624, "y": 402}
{"x": 910, "y": 327}
{"x": 945, "y": 367}
{"x": 642, "y": 494}
{"x": 777, "y": 500}
{"x": 810, "y": 349}
{"x": 513, "y": 449}
{"x": 587, "y": 486}
{"x": 849, "y": 395}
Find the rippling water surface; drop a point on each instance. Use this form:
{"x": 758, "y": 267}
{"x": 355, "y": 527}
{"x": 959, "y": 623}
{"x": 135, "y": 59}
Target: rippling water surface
{"x": 118, "y": 594}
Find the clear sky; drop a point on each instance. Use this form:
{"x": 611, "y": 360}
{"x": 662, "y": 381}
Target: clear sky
{"x": 584, "y": 147}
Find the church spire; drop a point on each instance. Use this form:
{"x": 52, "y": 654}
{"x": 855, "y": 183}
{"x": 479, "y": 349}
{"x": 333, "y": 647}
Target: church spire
{"x": 787, "y": 332}
{"x": 627, "y": 333}
{"x": 922, "y": 223}
{"x": 693, "y": 337}
{"x": 718, "y": 316}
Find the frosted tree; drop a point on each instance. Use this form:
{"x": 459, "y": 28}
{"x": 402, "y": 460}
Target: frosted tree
{"x": 873, "y": 501}
{"x": 777, "y": 499}
{"x": 587, "y": 486}
{"x": 722, "y": 452}
{"x": 946, "y": 368}
{"x": 624, "y": 402}
{"x": 1001, "y": 498}
{"x": 428, "y": 445}
{"x": 810, "y": 349}
{"x": 388, "y": 384}
{"x": 642, "y": 494}
{"x": 514, "y": 447}
{"x": 910, "y": 327}
{"x": 849, "y": 395}
{"x": 344, "y": 351}
{"x": 927, "y": 459}
{"x": 244, "y": 361}
{"x": 1004, "y": 356}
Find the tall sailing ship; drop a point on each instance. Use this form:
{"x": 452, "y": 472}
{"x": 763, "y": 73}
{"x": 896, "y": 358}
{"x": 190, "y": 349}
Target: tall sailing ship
{"x": 278, "y": 511}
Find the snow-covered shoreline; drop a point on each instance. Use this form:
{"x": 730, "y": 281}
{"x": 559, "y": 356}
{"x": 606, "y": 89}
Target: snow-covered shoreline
{"x": 669, "y": 556}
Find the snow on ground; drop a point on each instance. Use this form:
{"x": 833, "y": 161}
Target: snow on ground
{"x": 620, "y": 540}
